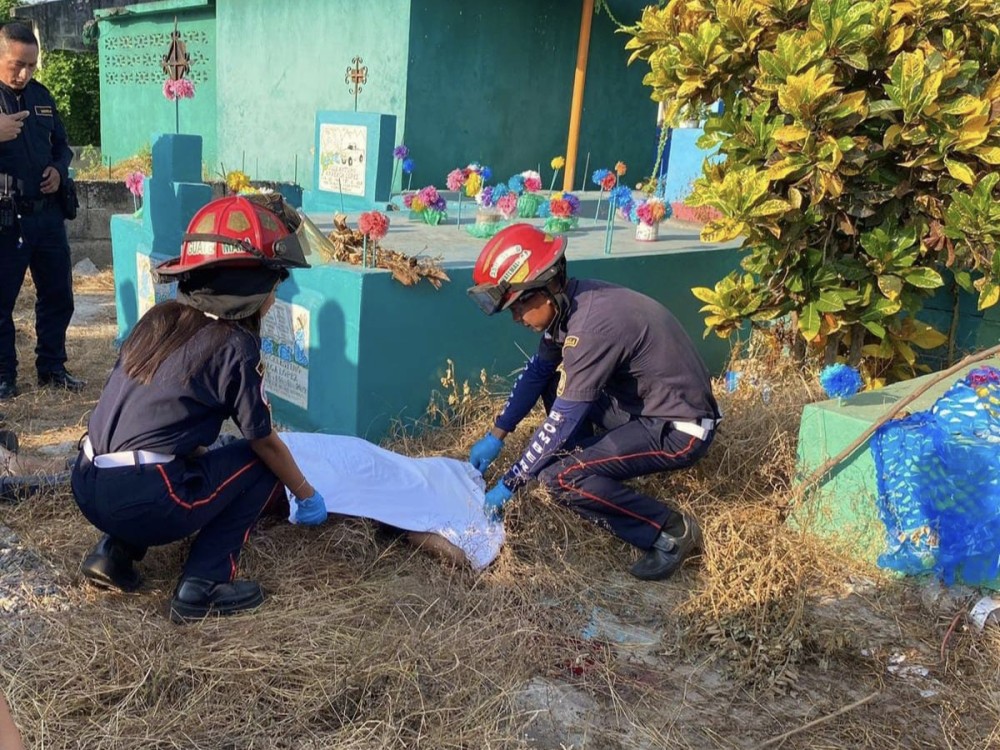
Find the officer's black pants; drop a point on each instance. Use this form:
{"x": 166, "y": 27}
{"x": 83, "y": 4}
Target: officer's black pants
{"x": 590, "y": 480}
{"x": 219, "y": 495}
{"x": 45, "y": 250}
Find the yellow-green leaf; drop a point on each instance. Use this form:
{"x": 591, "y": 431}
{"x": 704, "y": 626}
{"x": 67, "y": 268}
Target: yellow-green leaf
{"x": 960, "y": 172}
{"x": 988, "y": 154}
{"x": 705, "y": 294}
{"x": 722, "y": 230}
{"x": 790, "y": 134}
{"x": 989, "y": 295}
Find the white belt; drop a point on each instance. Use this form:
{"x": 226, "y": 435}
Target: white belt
{"x": 700, "y": 429}
{"x": 124, "y": 458}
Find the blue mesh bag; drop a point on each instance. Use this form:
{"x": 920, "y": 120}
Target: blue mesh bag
{"x": 938, "y": 479}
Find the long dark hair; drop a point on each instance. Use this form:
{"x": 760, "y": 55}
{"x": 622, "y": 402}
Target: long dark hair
{"x": 167, "y": 327}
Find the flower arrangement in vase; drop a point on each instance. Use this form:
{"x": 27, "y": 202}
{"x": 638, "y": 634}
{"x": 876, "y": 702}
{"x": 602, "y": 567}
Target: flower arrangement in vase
{"x": 526, "y": 186}
{"x": 561, "y": 212}
{"x": 427, "y": 205}
{"x": 647, "y": 215}
{"x": 467, "y": 181}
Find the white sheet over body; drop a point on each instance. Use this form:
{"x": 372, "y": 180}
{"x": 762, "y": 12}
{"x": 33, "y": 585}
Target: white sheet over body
{"x": 439, "y": 495}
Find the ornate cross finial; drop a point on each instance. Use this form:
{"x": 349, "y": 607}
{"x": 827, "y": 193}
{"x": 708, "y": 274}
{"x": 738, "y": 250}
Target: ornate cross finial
{"x": 177, "y": 62}
{"x": 355, "y": 77}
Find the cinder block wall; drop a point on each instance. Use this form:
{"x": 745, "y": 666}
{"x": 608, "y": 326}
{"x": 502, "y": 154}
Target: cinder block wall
{"x": 90, "y": 232}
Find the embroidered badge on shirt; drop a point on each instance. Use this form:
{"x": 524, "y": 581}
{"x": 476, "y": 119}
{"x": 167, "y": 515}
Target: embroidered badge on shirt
{"x": 43, "y": 110}
{"x": 562, "y": 380}
{"x": 571, "y": 341}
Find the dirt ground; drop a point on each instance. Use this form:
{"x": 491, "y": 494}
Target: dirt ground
{"x": 770, "y": 640}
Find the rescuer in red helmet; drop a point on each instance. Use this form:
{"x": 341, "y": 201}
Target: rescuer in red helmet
{"x": 625, "y": 391}
{"x": 144, "y": 475}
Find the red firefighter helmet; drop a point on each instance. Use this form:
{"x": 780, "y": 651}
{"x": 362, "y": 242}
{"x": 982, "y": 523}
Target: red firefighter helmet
{"x": 517, "y": 259}
{"x": 237, "y": 232}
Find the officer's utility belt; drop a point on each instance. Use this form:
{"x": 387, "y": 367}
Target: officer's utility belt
{"x": 124, "y": 458}
{"x": 26, "y": 207}
{"x": 700, "y": 429}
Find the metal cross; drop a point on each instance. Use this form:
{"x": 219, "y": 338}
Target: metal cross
{"x": 177, "y": 62}
{"x": 355, "y": 77}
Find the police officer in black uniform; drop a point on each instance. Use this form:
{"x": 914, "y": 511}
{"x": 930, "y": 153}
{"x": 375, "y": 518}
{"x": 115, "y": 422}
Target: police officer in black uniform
{"x": 33, "y": 169}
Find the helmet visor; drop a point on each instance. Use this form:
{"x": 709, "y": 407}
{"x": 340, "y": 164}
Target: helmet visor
{"x": 489, "y": 297}
{"x": 307, "y": 243}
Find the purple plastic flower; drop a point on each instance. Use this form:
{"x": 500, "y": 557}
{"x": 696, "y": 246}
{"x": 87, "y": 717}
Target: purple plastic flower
{"x": 574, "y": 203}
{"x": 486, "y": 196}
{"x": 400, "y": 152}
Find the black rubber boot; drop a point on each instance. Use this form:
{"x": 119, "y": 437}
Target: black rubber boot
{"x": 668, "y": 553}
{"x": 110, "y": 566}
{"x": 196, "y": 598}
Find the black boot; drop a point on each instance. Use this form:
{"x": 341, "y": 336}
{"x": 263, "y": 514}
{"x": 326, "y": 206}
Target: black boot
{"x": 196, "y": 598}
{"x": 668, "y": 553}
{"x": 61, "y": 379}
{"x": 110, "y": 566}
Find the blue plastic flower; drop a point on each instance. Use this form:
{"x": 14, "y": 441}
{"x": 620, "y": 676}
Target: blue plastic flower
{"x": 499, "y": 191}
{"x": 407, "y": 166}
{"x": 516, "y": 184}
{"x": 840, "y": 380}
{"x": 621, "y": 196}
{"x": 598, "y": 177}
{"x": 544, "y": 210}
{"x": 486, "y": 173}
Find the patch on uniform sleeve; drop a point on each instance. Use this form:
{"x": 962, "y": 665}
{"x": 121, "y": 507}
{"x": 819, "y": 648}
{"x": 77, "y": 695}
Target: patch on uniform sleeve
{"x": 571, "y": 341}
{"x": 43, "y": 110}
{"x": 562, "y": 380}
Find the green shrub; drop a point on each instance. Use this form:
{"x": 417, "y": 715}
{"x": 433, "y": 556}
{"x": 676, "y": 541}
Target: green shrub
{"x": 861, "y": 144}
{"x": 75, "y": 83}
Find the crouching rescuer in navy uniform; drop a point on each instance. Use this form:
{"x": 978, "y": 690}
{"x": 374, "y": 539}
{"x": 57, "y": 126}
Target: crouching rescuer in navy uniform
{"x": 144, "y": 476}
{"x": 625, "y": 391}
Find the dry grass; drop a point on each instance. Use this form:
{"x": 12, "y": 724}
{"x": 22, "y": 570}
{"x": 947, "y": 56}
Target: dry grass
{"x": 365, "y": 643}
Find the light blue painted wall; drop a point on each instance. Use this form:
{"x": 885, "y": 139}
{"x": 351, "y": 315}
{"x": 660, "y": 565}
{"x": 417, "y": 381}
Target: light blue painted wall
{"x": 131, "y": 46}
{"x": 281, "y": 62}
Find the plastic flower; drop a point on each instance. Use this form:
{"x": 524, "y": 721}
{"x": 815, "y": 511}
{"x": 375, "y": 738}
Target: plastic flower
{"x": 485, "y": 197}
{"x": 473, "y": 184}
{"x": 134, "y": 183}
{"x": 180, "y": 89}
{"x": 621, "y": 196}
{"x": 620, "y": 168}
{"x": 417, "y": 205}
{"x": 840, "y": 380}
{"x": 558, "y": 162}
{"x": 508, "y": 205}
{"x": 532, "y": 181}
{"x": 499, "y": 191}
{"x": 455, "y": 179}
{"x": 237, "y": 181}
{"x": 374, "y": 224}
{"x": 428, "y": 195}
{"x": 651, "y": 211}
{"x": 407, "y": 166}
{"x": 557, "y": 196}
{"x": 486, "y": 173}
{"x": 400, "y": 152}
{"x": 574, "y": 203}
{"x": 544, "y": 210}
{"x": 598, "y": 177}
{"x": 561, "y": 208}
{"x": 516, "y": 184}
{"x": 609, "y": 181}
{"x": 408, "y": 200}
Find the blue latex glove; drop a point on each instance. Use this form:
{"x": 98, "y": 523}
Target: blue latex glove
{"x": 311, "y": 511}
{"x": 496, "y": 499}
{"x": 485, "y": 451}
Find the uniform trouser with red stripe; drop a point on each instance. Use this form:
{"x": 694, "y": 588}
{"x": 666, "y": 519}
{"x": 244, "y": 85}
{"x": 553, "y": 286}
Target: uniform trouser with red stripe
{"x": 219, "y": 495}
{"x": 590, "y": 480}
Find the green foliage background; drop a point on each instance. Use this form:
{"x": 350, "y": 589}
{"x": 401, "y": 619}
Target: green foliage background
{"x": 862, "y": 161}
{"x": 75, "y": 83}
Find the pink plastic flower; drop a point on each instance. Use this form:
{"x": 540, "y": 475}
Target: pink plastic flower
{"x": 373, "y": 223}
{"x": 182, "y": 89}
{"x": 408, "y": 199}
{"x": 455, "y": 179}
{"x": 134, "y": 182}
{"x": 609, "y": 181}
{"x": 532, "y": 183}
{"x": 507, "y": 205}
{"x": 428, "y": 195}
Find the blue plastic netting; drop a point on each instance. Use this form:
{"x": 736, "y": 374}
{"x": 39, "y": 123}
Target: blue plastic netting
{"x": 938, "y": 477}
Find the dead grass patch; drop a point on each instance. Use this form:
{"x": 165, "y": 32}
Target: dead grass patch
{"x": 365, "y": 643}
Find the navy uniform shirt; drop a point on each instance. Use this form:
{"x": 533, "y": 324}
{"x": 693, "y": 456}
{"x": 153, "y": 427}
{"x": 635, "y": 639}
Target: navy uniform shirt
{"x": 614, "y": 341}
{"x": 41, "y": 144}
{"x": 174, "y": 415}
